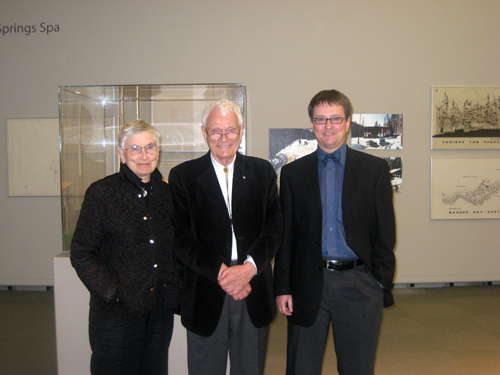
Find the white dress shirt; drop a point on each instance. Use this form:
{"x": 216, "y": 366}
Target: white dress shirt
{"x": 226, "y": 186}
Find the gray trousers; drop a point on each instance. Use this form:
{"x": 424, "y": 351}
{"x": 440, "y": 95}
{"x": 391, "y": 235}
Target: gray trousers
{"x": 352, "y": 302}
{"x": 235, "y": 334}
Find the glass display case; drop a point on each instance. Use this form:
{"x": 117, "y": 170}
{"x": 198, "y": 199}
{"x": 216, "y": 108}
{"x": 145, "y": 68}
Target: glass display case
{"x": 90, "y": 118}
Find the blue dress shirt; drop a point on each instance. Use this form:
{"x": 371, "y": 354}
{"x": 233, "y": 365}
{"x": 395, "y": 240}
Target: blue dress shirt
{"x": 331, "y": 179}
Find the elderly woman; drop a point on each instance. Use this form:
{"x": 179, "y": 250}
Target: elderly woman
{"x": 121, "y": 251}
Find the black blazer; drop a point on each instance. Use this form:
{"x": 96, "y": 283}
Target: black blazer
{"x": 369, "y": 224}
{"x": 202, "y": 236}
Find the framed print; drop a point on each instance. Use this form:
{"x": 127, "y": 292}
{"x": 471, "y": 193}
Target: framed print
{"x": 377, "y": 131}
{"x": 287, "y": 145}
{"x": 396, "y": 170}
{"x": 465, "y": 118}
{"x": 465, "y": 188}
{"x": 33, "y": 153}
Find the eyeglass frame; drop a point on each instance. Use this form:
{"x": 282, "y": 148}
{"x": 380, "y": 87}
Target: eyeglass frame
{"x": 338, "y": 120}
{"x": 210, "y": 135}
{"x": 138, "y": 149}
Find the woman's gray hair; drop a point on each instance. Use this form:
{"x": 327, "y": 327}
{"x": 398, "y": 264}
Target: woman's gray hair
{"x": 135, "y": 127}
{"x": 224, "y": 107}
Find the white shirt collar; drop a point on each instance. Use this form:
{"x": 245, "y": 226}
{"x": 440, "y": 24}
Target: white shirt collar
{"x": 219, "y": 168}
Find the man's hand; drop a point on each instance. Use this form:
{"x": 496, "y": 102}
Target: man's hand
{"x": 243, "y": 294}
{"x": 222, "y": 268}
{"x": 285, "y": 304}
{"x": 235, "y": 280}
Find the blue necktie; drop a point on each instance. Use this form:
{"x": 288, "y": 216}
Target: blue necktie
{"x": 335, "y": 157}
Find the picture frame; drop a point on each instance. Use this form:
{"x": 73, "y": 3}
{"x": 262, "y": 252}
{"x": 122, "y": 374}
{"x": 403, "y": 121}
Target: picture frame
{"x": 376, "y": 131}
{"x": 33, "y": 157}
{"x": 289, "y": 144}
{"x": 465, "y": 118}
{"x": 396, "y": 171}
{"x": 465, "y": 188}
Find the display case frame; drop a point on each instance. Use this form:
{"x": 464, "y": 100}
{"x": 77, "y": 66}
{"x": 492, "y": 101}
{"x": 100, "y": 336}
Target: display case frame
{"x": 90, "y": 118}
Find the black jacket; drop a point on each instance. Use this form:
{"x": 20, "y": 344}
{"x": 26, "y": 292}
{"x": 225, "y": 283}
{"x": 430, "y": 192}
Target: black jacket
{"x": 202, "y": 240}
{"x": 369, "y": 224}
{"x": 122, "y": 252}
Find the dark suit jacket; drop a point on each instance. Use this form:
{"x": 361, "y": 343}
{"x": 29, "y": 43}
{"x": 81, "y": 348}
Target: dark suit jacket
{"x": 202, "y": 236}
{"x": 369, "y": 224}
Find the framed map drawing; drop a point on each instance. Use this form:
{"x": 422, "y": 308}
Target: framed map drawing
{"x": 377, "y": 131}
{"x": 33, "y": 153}
{"x": 465, "y": 188}
{"x": 465, "y": 118}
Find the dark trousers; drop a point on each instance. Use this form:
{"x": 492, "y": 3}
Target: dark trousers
{"x": 235, "y": 334}
{"x": 352, "y": 302}
{"x": 130, "y": 347}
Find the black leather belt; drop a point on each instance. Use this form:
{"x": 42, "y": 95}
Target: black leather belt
{"x": 341, "y": 265}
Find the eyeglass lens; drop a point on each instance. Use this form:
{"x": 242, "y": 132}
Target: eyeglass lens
{"x": 333, "y": 120}
{"x": 229, "y": 135}
{"x": 137, "y": 150}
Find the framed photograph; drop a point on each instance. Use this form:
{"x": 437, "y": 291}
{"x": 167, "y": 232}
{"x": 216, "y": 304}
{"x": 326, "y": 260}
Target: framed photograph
{"x": 465, "y": 118}
{"x": 396, "y": 170}
{"x": 465, "y": 188}
{"x": 377, "y": 131}
{"x": 287, "y": 145}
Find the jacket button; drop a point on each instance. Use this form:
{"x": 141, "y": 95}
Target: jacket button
{"x": 151, "y": 289}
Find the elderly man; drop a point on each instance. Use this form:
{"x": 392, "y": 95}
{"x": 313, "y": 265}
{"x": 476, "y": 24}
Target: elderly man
{"x": 227, "y": 229}
{"x": 336, "y": 263}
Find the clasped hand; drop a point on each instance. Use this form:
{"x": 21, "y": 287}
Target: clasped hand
{"x": 235, "y": 280}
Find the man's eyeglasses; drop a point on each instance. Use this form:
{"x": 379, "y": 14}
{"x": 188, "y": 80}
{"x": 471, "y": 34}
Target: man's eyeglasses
{"x": 217, "y": 136}
{"x": 323, "y": 121}
{"x": 135, "y": 150}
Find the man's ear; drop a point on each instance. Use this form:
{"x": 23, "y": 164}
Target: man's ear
{"x": 205, "y": 135}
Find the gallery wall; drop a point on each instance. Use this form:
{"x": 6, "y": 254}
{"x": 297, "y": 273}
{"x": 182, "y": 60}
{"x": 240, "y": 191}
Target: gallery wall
{"x": 384, "y": 54}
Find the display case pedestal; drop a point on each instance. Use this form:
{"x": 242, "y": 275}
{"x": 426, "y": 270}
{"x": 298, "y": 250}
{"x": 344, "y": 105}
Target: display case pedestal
{"x": 72, "y": 316}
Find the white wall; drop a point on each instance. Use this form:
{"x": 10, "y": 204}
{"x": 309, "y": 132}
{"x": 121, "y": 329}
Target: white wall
{"x": 384, "y": 54}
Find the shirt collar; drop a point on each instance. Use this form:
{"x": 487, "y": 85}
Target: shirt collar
{"x": 342, "y": 150}
{"x": 219, "y": 167}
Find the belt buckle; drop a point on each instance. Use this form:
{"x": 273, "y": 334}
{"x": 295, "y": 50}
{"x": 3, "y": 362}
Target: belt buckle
{"x": 331, "y": 265}
{"x": 338, "y": 265}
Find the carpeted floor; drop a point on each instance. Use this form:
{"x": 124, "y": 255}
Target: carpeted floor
{"x": 446, "y": 330}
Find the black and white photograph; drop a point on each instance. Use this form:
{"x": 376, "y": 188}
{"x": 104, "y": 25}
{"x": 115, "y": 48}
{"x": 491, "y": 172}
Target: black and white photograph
{"x": 377, "y": 131}
{"x": 465, "y": 118}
